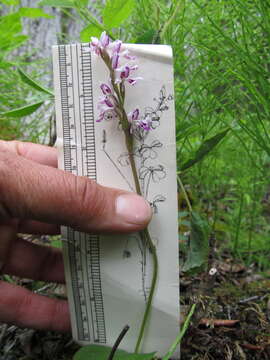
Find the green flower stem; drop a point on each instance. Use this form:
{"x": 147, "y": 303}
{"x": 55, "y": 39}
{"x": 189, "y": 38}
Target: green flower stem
{"x": 120, "y": 97}
{"x": 147, "y": 238}
{"x": 152, "y": 289}
{"x": 181, "y": 334}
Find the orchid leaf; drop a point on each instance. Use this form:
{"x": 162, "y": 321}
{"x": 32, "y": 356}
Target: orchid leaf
{"x": 94, "y": 352}
{"x": 57, "y": 3}
{"x": 28, "y": 80}
{"x": 135, "y": 356}
{"x": 90, "y": 30}
{"x": 198, "y": 247}
{"x": 116, "y": 12}
{"x": 204, "y": 149}
{"x": 22, "y": 111}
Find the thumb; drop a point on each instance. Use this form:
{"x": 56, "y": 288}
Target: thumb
{"x": 39, "y": 192}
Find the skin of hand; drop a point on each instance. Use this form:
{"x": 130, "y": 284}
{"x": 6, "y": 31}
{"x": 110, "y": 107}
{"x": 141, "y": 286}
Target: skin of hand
{"x": 36, "y": 198}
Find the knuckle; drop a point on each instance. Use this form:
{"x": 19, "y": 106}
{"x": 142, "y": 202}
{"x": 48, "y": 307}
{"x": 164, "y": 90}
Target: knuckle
{"x": 16, "y": 146}
{"x": 89, "y": 197}
{"x": 13, "y": 146}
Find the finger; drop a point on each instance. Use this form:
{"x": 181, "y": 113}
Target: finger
{"x": 42, "y": 154}
{"x": 38, "y": 227}
{"x": 7, "y": 237}
{"x": 33, "y": 227}
{"x": 33, "y": 191}
{"x": 33, "y": 261}
{"x": 20, "y": 307}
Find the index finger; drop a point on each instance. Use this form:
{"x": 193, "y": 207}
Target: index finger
{"x": 42, "y": 154}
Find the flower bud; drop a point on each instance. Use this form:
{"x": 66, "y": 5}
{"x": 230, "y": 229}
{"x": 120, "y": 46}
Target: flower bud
{"x": 104, "y": 39}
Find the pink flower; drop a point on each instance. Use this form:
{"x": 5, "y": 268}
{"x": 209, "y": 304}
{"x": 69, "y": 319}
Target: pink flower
{"x": 115, "y": 60}
{"x": 108, "y": 102}
{"x": 145, "y": 123}
{"x": 106, "y": 89}
{"x": 125, "y": 73}
{"x": 134, "y": 115}
{"x": 95, "y": 45}
{"x": 133, "y": 81}
{"x": 98, "y": 45}
{"x": 105, "y": 101}
{"x": 116, "y": 46}
{"x": 133, "y": 67}
{"x": 126, "y": 54}
{"x": 122, "y": 73}
{"x": 108, "y": 114}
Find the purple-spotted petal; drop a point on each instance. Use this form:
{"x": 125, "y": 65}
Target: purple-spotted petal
{"x": 115, "y": 60}
{"x": 101, "y": 117}
{"x": 133, "y": 81}
{"x": 145, "y": 123}
{"x": 105, "y": 89}
{"x": 108, "y": 102}
{"x": 133, "y": 115}
{"x": 133, "y": 67}
{"x": 117, "y": 46}
{"x": 126, "y": 54}
{"x": 125, "y": 73}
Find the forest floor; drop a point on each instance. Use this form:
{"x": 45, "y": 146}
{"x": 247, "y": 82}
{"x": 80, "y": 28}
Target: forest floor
{"x": 231, "y": 320}
{"x": 232, "y": 317}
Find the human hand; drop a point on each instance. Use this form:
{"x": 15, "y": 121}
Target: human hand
{"x": 37, "y": 198}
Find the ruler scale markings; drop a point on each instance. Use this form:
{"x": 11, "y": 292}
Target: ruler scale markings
{"x": 70, "y": 164}
{"x": 68, "y": 167}
{"x": 83, "y": 158}
{"x": 80, "y": 171}
{"x": 93, "y": 246}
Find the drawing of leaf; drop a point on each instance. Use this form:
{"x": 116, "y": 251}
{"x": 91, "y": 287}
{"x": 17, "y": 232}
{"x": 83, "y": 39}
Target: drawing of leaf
{"x": 158, "y": 173}
{"x": 143, "y": 172}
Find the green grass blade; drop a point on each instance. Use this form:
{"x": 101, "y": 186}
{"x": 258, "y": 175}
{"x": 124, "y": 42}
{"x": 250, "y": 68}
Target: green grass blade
{"x": 22, "y": 111}
{"x": 28, "y": 80}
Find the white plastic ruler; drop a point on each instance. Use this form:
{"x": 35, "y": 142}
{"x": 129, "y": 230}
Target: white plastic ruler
{"x": 108, "y": 278}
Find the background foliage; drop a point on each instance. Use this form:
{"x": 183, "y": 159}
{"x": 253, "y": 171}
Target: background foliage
{"x": 222, "y": 63}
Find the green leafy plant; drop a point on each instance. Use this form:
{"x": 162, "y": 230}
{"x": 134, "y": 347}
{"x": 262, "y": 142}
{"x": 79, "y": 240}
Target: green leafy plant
{"x": 94, "y": 352}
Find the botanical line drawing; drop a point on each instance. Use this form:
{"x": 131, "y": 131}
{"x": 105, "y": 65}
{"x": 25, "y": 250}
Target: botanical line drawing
{"x": 149, "y": 169}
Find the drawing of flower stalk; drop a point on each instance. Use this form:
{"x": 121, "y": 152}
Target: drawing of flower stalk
{"x": 112, "y": 106}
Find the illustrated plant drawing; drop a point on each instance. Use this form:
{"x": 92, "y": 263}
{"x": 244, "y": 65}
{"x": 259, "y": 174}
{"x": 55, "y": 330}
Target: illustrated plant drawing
{"x": 221, "y": 94}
